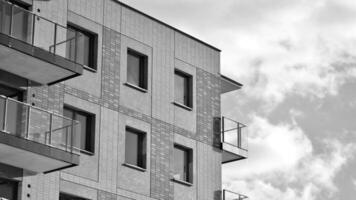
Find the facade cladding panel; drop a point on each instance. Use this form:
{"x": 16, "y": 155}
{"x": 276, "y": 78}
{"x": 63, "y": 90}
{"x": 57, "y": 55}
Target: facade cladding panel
{"x": 104, "y": 90}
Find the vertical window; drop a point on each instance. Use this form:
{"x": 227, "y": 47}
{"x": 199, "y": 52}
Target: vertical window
{"x": 183, "y": 164}
{"x": 135, "y": 147}
{"x": 63, "y": 196}
{"x": 81, "y": 46}
{"x": 85, "y": 140}
{"x": 183, "y": 89}
{"x": 136, "y": 69}
{"x": 8, "y": 189}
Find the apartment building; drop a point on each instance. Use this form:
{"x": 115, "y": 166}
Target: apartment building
{"x": 99, "y": 101}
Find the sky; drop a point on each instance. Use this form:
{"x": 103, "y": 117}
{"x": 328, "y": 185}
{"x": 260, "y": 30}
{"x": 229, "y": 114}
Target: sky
{"x": 297, "y": 61}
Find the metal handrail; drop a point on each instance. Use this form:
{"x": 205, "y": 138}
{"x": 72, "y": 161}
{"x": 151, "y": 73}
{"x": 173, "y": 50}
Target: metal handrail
{"x": 36, "y": 18}
{"x": 238, "y": 196}
{"x": 47, "y": 133}
{"x": 238, "y": 128}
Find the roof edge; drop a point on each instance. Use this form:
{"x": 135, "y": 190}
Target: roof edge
{"x": 231, "y": 80}
{"x": 163, "y": 23}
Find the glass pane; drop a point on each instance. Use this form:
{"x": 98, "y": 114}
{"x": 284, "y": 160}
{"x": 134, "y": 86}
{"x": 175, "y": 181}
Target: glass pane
{"x": 2, "y": 111}
{"x": 5, "y": 13}
{"x": 70, "y": 52}
{"x": 44, "y": 34}
{"x": 16, "y": 118}
{"x": 179, "y": 91}
{"x": 131, "y": 148}
{"x": 84, "y": 133}
{"x": 83, "y": 49}
{"x": 22, "y": 24}
{"x": 180, "y": 164}
{"x": 8, "y": 189}
{"x": 133, "y": 69}
{"x": 69, "y": 133}
{"x": 39, "y": 128}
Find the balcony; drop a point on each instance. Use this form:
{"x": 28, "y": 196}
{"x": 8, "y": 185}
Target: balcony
{"x": 233, "y": 140}
{"x": 34, "y": 139}
{"x": 35, "y": 48}
{"x": 228, "y": 85}
{"x": 228, "y": 195}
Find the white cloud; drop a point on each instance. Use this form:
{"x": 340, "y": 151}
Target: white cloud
{"x": 283, "y": 165}
{"x": 294, "y": 50}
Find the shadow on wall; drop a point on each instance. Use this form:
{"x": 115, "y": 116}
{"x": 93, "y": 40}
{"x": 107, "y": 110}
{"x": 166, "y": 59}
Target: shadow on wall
{"x": 217, "y": 195}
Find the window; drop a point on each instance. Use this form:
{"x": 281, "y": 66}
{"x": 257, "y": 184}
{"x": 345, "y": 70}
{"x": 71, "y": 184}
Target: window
{"x": 63, "y": 196}
{"x": 183, "y": 164}
{"x": 81, "y": 46}
{"x": 8, "y": 189}
{"x": 136, "y": 69}
{"x": 85, "y": 140}
{"x": 135, "y": 148}
{"x": 183, "y": 89}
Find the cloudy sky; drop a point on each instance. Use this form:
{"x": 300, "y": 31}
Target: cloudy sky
{"x": 296, "y": 59}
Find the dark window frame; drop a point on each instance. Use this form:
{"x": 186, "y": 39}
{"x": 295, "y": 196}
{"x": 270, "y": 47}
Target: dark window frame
{"x": 65, "y": 196}
{"x": 188, "y": 90}
{"x": 90, "y": 126}
{"x": 93, "y": 45}
{"x": 143, "y": 68}
{"x": 142, "y": 147}
{"x": 16, "y": 184}
{"x": 188, "y": 163}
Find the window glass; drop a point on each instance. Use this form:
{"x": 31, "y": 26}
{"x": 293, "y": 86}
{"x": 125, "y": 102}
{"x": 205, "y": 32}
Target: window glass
{"x": 85, "y": 132}
{"x": 81, "y": 46}
{"x": 83, "y": 120}
{"x": 136, "y": 69}
{"x": 182, "y": 90}
{"x": 135, "y": 148}
{"x": 133, "y": 69}
{"x": 179, "y": 89}
{"x": 182, "y": 164}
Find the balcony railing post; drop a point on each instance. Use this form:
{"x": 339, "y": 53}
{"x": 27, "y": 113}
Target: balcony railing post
{"x": 223, "y": 129}
{"x": 72, "y": 137}
{"x": 75, "y": 46}
{"x": 33, "y": 28}
{"x": 223, "y": 194}
{"x": 11, "y": 18}
{"x": 28, "y": 121}
{"x": 50, "y": 128}
{"x": 239, "y": 135}
{"x": 5, "y": 114}
{"x": 55, "y": 39}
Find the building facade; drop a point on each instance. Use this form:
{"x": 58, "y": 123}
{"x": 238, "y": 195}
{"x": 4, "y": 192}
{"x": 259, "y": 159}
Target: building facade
{"x": 100, "y": 101}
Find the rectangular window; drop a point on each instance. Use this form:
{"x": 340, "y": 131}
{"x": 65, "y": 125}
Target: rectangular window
{"x": 183, "y": 164}
{"x": 135, "y": 147}
{"x": 86, "y": 138}
{"x": 183, "y": 89}
{"x": 8, "y": 189}
{"x": 137, "y": 69}
{"x": 63, "y": 196}
{"x": 81, "y": 46}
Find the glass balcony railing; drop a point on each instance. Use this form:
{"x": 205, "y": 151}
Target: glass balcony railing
{"x": 229, "y": 195}
{"x": 25, "y": 121}
{"x": 233, "y": 134}
{"x": 38, "y": 31}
